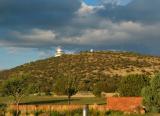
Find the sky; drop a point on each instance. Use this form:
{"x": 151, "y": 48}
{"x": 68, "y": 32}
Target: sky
{"x": 32, "y": 29}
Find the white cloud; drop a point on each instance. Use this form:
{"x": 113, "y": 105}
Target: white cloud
{"x": 5, "y": 43}
{"x": 109, "y": 33}
{"x": 108, "y": 24}
{"x": 36, "y": 35}
{"x": 88, "y": 9}
{"x": 106, "y": 33}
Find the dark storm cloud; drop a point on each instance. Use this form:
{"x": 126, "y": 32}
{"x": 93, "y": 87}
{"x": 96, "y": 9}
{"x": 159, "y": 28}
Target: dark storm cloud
{"x": 146, "y": 11}
{"x": 20, "y": 17}
{"x": 37, "y": 13}
{"x": 74, "y": 25}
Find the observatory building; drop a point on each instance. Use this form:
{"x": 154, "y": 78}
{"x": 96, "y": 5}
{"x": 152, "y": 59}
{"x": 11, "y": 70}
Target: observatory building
{"x": 59, "y": 52}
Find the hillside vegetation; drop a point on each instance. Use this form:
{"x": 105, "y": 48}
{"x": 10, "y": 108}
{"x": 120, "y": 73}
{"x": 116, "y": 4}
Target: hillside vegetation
{"x": 88, "y": 67}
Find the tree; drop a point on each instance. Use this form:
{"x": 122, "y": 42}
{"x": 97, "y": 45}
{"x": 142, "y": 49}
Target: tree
{"x": 132, "y": 85}
{"x": 105, "y": 83}
{"x": 17, "y": 87}
{"x": 111, "y": 84}
{"x": 42, "y": 85}
{"x": 151, "y": 95}
{"x": 67, "y": 85}
{"x": 97, "y": 89}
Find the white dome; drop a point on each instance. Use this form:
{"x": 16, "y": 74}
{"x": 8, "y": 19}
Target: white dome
{"x": 59, "y": 52}
{"x": 58, "y": 49}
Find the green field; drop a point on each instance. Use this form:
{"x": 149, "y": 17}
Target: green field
{"x": 55, "y": 100}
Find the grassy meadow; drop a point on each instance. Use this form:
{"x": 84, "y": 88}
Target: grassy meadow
{"x": 30, "y": 100}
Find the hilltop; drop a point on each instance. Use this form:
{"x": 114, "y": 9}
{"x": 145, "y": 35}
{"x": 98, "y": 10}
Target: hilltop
{"x": 90, "y": 67}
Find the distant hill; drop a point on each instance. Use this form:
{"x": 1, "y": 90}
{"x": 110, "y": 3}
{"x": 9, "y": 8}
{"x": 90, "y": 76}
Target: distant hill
{"x": 89, "y": 67}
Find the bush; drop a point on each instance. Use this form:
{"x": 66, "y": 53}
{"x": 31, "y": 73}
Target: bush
{"x": 3, "y": 108}
{"x": 105, "y": 113}
{"x": 38, "y": 112}
{"x": 97, "y": 89}
{"x": 77, "y": 112}
{"x": 55, "y": 114}
{"x": 14, "y": 113}
{"x": 151, "y": 95}
{"x": 109, "y": 85}
{"x": 132, "y": 85}
{"x": 114, "y": 113}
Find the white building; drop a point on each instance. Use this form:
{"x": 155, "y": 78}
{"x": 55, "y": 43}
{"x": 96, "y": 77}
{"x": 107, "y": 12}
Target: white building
{"x": 91, "y": 50}
{"x": 59, "y": 52}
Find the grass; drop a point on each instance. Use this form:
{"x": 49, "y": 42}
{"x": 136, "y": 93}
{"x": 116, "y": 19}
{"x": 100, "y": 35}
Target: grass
{"x": 148, "y": 114}
{"x": 55, "y": 100}
{"x": 63, "y": 100}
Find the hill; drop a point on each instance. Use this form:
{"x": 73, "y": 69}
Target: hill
{"x": 89, "y": 67}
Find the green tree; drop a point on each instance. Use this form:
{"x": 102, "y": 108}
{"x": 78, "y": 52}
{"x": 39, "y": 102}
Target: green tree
{"x": 67, "y": 85}
{"x": 17, "y": 87}
{"x": 151, "y": 95}
{"x": 42, "y": 85}
{"x": 105, "y": 83}
{"x": 98, "y": 88}
{"x": 132, "y": 85}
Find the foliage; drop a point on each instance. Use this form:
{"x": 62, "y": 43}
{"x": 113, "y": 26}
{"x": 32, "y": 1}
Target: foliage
{"x": 151, "y": 95}
{"x": 14, "y": 113}
{"x": 3, "y": 108}
{"x": 108, "y": 85}
{"x": 38, "y": 112}
{"x": 98, "y": 89}
{"x": 66, "y": 86}
{"x": 16, "y": 87}
{"x": 41, "y": 85}
{"x": 78, "y": 112}
{"x": 114, "y": 113}
{"x": 88, "y": 66}
{"x": 132, "y": 85}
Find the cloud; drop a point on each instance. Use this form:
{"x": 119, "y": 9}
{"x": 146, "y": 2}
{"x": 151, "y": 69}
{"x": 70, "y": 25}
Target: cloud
{"x": 33, "y": 38}
{"x": 121, "y": 36}
{"x": 88, "y": 9}
{"x": 36, "y": 35}
{"x": 124, "y": 35}
{"x": 144, "y": 11}
{"x": 75, "y": 25}
{"x": 37, "y": 13}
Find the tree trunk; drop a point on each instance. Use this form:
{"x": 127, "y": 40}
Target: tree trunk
{"x": 17, "y": 108}
{"x": 69, "y": 99}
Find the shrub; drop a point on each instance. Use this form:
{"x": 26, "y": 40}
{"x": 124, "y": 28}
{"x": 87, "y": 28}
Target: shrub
{"x": 55, "y": 113}
{"x": 3, "y": 108}
{"x": 105, "y": 113}
{"x": 114, "y": 113}
{"x": 151, "y": 95}
{"x": 97, "y": 89}
{"x": 77, "y": 112}
{"x": 132, "y": 85}
{"x": 109, "y": 85}
{"x": 38, "y": 112}
{"x": 17, "y": 87}
{"x": 15, "y": 113}
{"x": 66, "y": 86}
